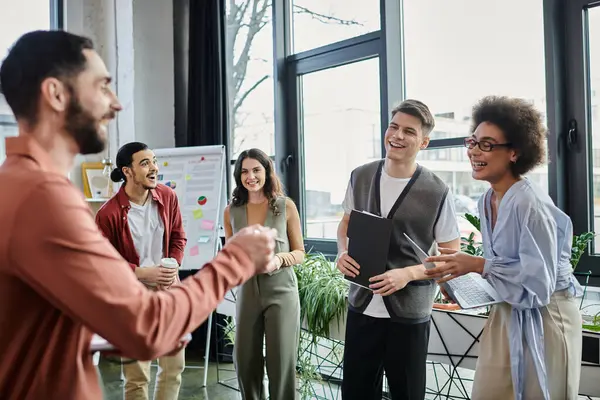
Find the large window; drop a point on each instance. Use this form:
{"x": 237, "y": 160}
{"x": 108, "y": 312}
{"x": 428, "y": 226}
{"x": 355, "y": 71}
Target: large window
{"x": 453, "y": 59}
{"x": 17, "y": 18}
{"x": 334, "y": 101}
{"x": 339, "y": 66}
{"x": 320, "y": 22}
{"x": 249, "y": 59}
{"x": 341, "y": 129}
{"x": 594, "y": 117}
{"x": 582, "y": 125}
{"x": 456, "y": 58}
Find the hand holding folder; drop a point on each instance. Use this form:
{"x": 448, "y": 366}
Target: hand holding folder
{"x": 369, "y": 244}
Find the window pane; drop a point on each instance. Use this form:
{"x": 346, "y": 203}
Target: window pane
{"x": 454, "y": 58}
{"x": 337, "y": 116}
{"x": 594, "y": 76}
{"x": 317, "y": 23}
{"x": 249, "y": 58}
{"x": 20, "y": 17}
{"x": 16, "y": 19}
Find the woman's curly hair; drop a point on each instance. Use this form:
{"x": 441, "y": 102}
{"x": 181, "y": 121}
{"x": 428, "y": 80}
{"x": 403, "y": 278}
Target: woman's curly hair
{"x": 521, "y": 124}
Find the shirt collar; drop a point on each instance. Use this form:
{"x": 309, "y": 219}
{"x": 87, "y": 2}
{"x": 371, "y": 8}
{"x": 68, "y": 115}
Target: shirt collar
{"x": 27, "y": 146}
{"x": 123, "y": 199}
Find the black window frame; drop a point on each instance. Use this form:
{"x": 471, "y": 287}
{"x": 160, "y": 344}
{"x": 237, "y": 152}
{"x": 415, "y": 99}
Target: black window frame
{"x": 57, "y": 14}
{"x": 577, "y": 145}
{"x": 563, "y": 98}
{"x": 289, "y": 68}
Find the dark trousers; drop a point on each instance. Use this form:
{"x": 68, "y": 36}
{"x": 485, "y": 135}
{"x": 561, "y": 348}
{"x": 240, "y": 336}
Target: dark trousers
{"x": 375, "y": 345}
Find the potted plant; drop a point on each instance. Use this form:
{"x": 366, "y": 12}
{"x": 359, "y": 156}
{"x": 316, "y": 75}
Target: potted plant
{"x": 323, "y": 295}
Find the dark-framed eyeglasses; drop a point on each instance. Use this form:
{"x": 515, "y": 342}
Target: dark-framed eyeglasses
{"x": 484, "y": 145}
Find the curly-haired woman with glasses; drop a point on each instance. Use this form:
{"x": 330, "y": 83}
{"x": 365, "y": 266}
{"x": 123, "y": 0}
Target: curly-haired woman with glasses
{"x": 531, "y": 345}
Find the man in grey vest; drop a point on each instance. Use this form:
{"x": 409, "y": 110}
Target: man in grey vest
{"x": 388, "y": 327}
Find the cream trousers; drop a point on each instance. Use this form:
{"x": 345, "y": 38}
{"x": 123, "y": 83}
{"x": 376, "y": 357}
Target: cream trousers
{"x": 168, "y": 379}
{"x": 562, "y": 347}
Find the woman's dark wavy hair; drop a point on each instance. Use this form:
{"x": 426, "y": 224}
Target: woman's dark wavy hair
{"x": 272, "y": 188}
{"x": 521, "y": 124}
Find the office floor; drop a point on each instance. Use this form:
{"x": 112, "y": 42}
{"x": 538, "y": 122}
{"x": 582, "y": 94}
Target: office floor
{"x": 192, "y": 389}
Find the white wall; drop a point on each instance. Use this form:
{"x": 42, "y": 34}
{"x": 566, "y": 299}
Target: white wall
{"x": 154, "y": 70}
{"x": 136, "y": 42}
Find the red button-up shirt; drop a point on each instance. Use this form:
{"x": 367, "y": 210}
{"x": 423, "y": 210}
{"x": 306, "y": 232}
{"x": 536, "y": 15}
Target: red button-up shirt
{"x": 113, "y": 223}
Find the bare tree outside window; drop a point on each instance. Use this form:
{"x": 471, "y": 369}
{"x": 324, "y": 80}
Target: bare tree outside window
{"x": 249, "y": 58}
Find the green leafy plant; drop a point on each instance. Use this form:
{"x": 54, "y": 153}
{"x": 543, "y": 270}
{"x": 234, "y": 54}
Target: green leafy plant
{"x": 594, "y": 324}
{"x": 580, "y": 244}
{"x": 474, "y": 220}
{"x": 468, "y": 244}
{"x": 306, "y": 368}
{"x": 323, "y": 293}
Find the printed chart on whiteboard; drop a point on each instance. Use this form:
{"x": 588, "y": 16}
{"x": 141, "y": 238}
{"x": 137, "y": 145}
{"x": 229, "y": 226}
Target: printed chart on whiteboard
{"x": 196, "y": 174}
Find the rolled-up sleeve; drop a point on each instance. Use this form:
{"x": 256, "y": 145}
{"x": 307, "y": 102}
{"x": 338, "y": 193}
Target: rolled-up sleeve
{"x": 530, "y": 280}
{"x": 63, "y": 256}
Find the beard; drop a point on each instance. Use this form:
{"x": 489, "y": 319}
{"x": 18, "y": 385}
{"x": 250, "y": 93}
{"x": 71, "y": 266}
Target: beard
{"x": 84, "y": 128}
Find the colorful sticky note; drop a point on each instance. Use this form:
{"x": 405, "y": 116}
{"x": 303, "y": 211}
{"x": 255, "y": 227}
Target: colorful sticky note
{"x": 198, "y": 214}
{"x": 194, "y": 251}
{"x": 207, "y": 225}
{"x": 204, "y": 239}
{"x": 166, "y": 163}
{"x": 188, "y": 177}
{"x": 171, "y": 184}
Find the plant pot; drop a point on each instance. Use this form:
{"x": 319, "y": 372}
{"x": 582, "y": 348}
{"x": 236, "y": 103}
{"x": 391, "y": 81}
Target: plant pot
{"x": 337, "y": 329}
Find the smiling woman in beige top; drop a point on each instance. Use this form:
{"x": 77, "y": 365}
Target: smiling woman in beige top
{"x": 268, "y": 304}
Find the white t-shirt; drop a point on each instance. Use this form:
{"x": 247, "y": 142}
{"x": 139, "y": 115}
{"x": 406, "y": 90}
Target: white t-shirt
{"x": 147, "y": 230}
{"x": 445, "y": 230}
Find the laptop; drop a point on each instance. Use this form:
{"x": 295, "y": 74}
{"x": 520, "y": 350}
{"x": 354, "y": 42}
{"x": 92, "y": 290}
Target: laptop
{"x": 468, "y": 291}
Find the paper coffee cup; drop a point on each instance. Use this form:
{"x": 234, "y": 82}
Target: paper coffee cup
{"x": 169, "y": 263}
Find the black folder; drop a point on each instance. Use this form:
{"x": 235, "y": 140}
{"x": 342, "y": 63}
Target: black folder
{"x": 369, "y": 244}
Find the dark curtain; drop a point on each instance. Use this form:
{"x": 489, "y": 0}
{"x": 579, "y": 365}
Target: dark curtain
{"x": 207, "y": 114}
{"x": 207, "y": 120}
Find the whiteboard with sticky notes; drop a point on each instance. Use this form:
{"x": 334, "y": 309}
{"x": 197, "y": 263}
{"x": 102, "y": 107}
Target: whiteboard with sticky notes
{"x": 197, "y": 175}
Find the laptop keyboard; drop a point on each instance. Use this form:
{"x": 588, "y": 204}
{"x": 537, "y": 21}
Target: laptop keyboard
{"x": 469, "y": 290}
